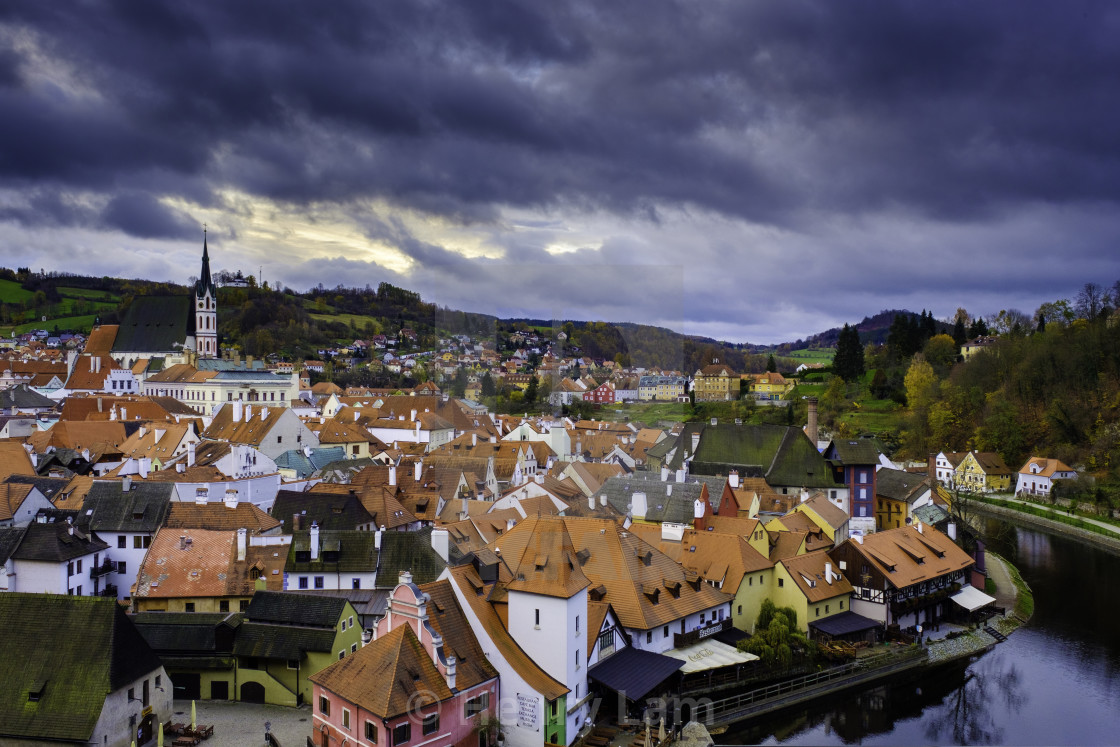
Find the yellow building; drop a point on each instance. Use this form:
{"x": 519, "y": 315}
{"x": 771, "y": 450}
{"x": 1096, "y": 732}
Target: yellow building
{"x": 983, "y": 472}
{"x": 768, "y": 386}
{"x": 812, "y": 586}
{"x": 715, "y": 383}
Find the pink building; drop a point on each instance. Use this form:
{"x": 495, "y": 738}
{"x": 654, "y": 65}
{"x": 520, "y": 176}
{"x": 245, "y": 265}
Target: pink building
{"x": 407, "y": 686}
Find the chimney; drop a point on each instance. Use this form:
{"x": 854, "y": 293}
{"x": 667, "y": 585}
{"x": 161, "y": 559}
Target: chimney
{"x": 919, "y": 527}
{"x": 144, "y": 466}
{"x": 638, "y": 505}
{"x": 664, "y": 473}
{"x": 804, "y": 495}
{"x": 99, "y": 401}
{"x": 404, "y": 578}
{"x": 412, "y": 417}
{"x": 143, "y": 431}
{"x": 296, "y": 523}
{"x": 682, "y": 474}
{"x": 231, "y": 498}
{"x": 811, "y": 427}
{"x": 264, "y": 413}
{"x": 591, "y": 502}
{"x": 474, "y": 439}
{"x": 451, "y": 673}
{"x": 417, "y": 470}
{"x": 695, "y": 441}
{"x": 669, "y": 489}
{"x": 377, "y": 537}
{"x": 124, "y": 413}
{"x": 182, "y": 542}
{"x": 314, "y": 541}
{"x": 733, "y": 478}
{"x": 441, "y": 543}
{"x": 238, "y": 412}
{"x": 858, "y": 538}
{"x": 248, "y": 413}
{"x": 828, "y": 573}
{"x": 392, "y": 475}
{"x": 951, "y": 530}
{"x": 242, "y": 535}
{"x": 699, "y": 515}
{"x": 190, "y": 453}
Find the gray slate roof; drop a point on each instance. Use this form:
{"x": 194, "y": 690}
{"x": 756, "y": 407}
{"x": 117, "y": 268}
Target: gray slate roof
{"x": 900, "y": 485}
{"x": 293, "y": 608}
{"x": 53, "y": 543}
{"x": 305, "y": 466}
{"x": 666, "y": 501}
{"x": 21, "y": 397}
{"x": 144, "y": 508}
{"x": 328, "y": 510}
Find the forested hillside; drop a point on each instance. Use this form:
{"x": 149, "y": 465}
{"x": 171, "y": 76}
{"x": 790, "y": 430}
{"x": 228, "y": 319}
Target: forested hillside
{"x": 1052, "y": 393}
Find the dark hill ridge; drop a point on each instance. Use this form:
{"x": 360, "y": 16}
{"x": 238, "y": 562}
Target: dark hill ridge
{"x": 260, "y": 320}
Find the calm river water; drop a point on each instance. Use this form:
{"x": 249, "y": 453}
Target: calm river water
{"x": 1053, "y": 682}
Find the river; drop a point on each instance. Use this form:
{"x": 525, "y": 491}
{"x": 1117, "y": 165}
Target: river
{"x": 1053, "y": 682}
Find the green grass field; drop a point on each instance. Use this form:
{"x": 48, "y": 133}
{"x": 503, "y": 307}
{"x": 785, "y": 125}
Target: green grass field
{"x": 12, "y": 292}
{"x": 874, "y": 416}
{"x": 81, "y": 324}
{"x": 358, "y": 321}
{"x": 806, "y": 355}
{"x": 90, "y": 293}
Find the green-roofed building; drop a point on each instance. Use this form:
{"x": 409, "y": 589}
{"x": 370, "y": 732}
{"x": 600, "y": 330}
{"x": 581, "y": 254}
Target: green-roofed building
{"x": 287, "y": 637}
{"x": 783, "y": 456}
{"x": 94, "y": 681}
{"x": 197, "y": 650}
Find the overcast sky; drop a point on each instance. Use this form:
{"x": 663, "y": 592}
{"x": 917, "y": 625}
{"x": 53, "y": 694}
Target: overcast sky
{"x": 750, "y": 171}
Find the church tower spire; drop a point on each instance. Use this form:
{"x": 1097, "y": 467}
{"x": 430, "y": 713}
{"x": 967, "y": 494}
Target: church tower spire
{"x": 206, "y": 308}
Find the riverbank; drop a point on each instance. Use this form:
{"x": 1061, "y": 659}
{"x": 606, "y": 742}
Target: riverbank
{"x": 1011, "y": 593}
{"x": 1110, "y": 542}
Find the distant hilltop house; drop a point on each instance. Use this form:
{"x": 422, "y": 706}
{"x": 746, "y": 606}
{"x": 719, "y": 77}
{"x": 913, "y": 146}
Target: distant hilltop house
{"x": 972, "y": 347}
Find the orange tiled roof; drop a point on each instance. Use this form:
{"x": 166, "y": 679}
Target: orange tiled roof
{"x": 478, "y": 599}
{"x": 14, "y": 460}
{"x": 808, "y": 573}
{"x": 391, "y": 676}
{"x": 906, "y": 556}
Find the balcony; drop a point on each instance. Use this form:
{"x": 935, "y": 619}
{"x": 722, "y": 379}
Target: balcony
{"x": 107, "y": 566}
{"x": 110, "y": 590}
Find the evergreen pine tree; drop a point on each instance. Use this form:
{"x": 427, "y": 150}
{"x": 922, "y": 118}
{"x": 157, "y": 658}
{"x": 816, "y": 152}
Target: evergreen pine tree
{"x": 848, "y": 363}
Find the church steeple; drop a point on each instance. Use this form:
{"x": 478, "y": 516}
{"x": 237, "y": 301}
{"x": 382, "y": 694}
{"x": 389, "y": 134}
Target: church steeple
{"x": 205, "y": 283}
{"x": 206, "y": 309}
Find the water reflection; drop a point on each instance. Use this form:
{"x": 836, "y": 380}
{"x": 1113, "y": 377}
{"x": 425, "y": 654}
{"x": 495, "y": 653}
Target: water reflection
{"x": 969, "y": 715}
{"x": 1055, "y": 681}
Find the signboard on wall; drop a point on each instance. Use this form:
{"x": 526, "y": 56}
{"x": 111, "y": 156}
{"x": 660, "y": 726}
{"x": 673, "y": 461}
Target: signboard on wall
{"x": 528, "y": 712}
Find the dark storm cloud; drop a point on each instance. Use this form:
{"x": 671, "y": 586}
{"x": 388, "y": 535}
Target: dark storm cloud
{"x": 142, "y": 216}
{"x": 756, "y": 110}
{"x": 811, "y": 119}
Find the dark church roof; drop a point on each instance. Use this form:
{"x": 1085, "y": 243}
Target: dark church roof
{"x": 154, "y": 324}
